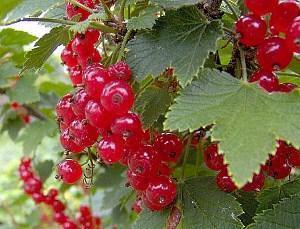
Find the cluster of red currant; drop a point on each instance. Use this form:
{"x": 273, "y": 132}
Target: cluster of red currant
{"x": 276, "y": 44}
{"x": 33, "y": 186}
{"x": 21, "y": 111}
{"x": 278, "y": 166}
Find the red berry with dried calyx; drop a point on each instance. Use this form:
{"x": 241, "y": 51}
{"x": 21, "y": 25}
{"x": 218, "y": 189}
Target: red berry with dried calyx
{"x": 110, "y": 149}
{"x": 69, "y": 171}
{"x": 79, "y": 102}
{"x": 68, "y": 143}
{"x": 256, "y": 184}
{"x": 64, "y": 110}
{"x": 266, "y": 79}
{"x": 120, "y": 71}
{"x": 212, "y": 158}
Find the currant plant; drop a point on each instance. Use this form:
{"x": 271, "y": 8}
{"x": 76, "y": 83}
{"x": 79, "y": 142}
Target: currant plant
{"x": 155, "y": 114}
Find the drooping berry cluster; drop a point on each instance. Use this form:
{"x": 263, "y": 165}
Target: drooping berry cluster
{"x": 276, "y": 44}
{"x": 33, "y": 186}
{"x": 278, "y": 166}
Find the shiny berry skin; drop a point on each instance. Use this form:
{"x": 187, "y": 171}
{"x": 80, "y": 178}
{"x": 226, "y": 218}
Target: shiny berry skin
{"x": 67, "y": 56}
{"x": 169, "y": 146}
{"x": 33, "y": 185}
{"x": 256, "y": 184}
{"x": 64, "y": 110}
{"x": 67, "y": 142}
{"x": 274, "y": 54}
{"x": 138, "y": 182}
{"x": 79, "y": 101}
{"x": 294, "y": 157}
{"x": 164, "y": 170}
{"x": 224, "y": 181}
{"x": 151, "y": 206}
{"x": 127, "y": 126}
{"x": 283, "y": 15}
{"x": 161, "y": 191}
{"x": 137, "y": 206}
{"x": 70, "y": 171}
{"x": 261, "y": 7}
{"x": 85, "y": 135}
{"x": 69, "y": 225}
{"x": 251, "y": 30}
{"x": 120, "y": 71}
{"x": 110, "y": 149}
{"x": 117, "y": 97}
{"x": 75, "y": 75}
{"x": 97, "y": 115}
{"x": 145, "y": 161}
{"x": 25, "y": 175}
{"x": 293, "y": 35}
{"x": 58, "y": 206}
{"x": 95, "y": 80}
{"x": 278, "y": 168}
{"x": 267, "y": 80}
{"x": 72, "y": 10}
{"x": 82, "y": 47}
{"x": 212, "y": 158}
{"x": 92, "y": 35}
{"x": 59, "y": 217}
{"x": 38, "y": 197}
{"x": 89, "y": 59}
{"x": 286, "y": 87}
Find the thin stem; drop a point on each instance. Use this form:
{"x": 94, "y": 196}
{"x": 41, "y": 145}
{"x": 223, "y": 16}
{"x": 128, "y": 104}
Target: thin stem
{"x": 102, "y": 27}
{"x": 107, "y": 10}
{"x": 35, "y": 112}
{"x": 228, "y": 30}
{"x": 186, "y": 156}
{"x": 231, "y": 9}
{"x": 244, "y": 65}
{"x": 114, "y": 55}
{"x": 143, "y": 88}
{"x": 125, "y": 40}
{"x": 50, "y": 20}
{"x": 122, "y": 11}
{"x": 129, "y": 12}
{"x": 288, "y": 74}
{"x": 104, "y": 46}
{"x": 76, "y": 3}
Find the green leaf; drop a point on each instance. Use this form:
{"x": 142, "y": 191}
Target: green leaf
{"x": 149, "y": 219}
{"x": 286, "y": 214}
{"x": 268, "y": 197}
{"x": 225, "y": 51}
{"x": 10, "y": 37}
{"x": 145, "y": 20}
{"x": 6, "y": 6}
{"x": 205, "y": 206}
{"x": 289, "y": 79}
{"x": 110, "y": 177}
{"x": 181, "y": 40}
{"x": 34, "y": 133}
{"x": 247, "y": 119}
{"x": 58, "y": 88}
{"x": 11, "y": 123}
{"x": 24, "y": 91}
{"x": 7, "y": 72}
{"x": 44, "y": 169}
{"x": 44, "y": 47}
{"x": 249, "y": 205}
{"x": 80, "y": 27}
{"x": 57, "y": 11}
{"x": 30, "y": 7}
{"x": 152, "y": 103}
{"x": 175, "y": 3}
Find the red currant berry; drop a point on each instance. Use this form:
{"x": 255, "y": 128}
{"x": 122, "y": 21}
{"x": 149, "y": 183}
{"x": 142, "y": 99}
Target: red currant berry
{"x": 67, "y": 56}
{"x": 110, "y": 149}
{"x": 161, "y": 191}
{"x": 137, "y": 181}
{"x": 283, "y": 15}
{"x": 137, "y": 206}
{"x": 33, "y": 185}
{"x": 278, "y": 167}
{"x": 293, "y": 35}
{"x": 15, "y": 105}
{"x": 128, "y": 151}
{"x": 79, "y": 102}
{"x": 38, "y": 197}
{"x": 92, "y": 35}
{"x": 69, "y": 171}
{"x": 67, "y": 142}
{"x": 72, "y": 10}
{"x": 64, "y": 110}
{"x": 60, "y": 217}
{"x": 145, "y": 161}
{"x": 294, "y": 157}
{"x": 90, "y": 59}
{"x": 274, "y": 54}
{"x": 25, "y": 175}
{"x": 164, "y": 170}
{"x": 169, "y": 146}
{"x": 95, "y": 80}
{"x": 76, "y": 75}
{"x": 85, "y": 135}
{"x": 267, "y": 80}
{"x": 152, "y": 206}
{"x": 58, "y": 206}
{"x": 261, "y": 7}
{"x": 69, "y": 225}
{"x": 52, "y": 193}
{"x": 127, "y": 126}
{"x": 97, "y": 115}
{"x": 212, "y": 158}
{"x": 120, "y": 71}
{"x": 251, "y": 30}
{"x": 117, "y": 97}
{"x": 82, "y": 47}
{"x": 225, "y": 182}
{"x": 256, "y": 184}
{"x": 85, "y": 210}
{"x": 286, "y": 87}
